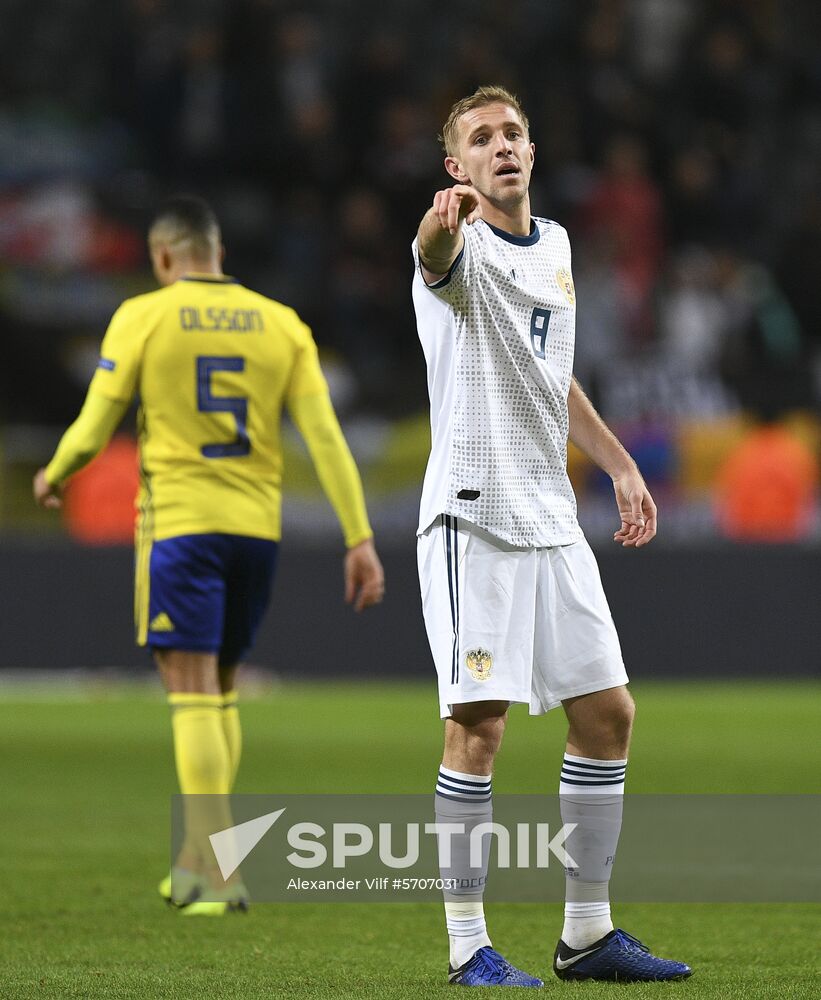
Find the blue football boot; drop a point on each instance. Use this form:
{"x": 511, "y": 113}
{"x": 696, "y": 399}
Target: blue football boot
{"x": 618, "y": 957}
{"x": 488, "y": 968}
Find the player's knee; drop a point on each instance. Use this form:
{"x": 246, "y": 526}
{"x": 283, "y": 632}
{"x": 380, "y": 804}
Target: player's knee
{"x": 602, "y": 723}
{"x": 475, "y": 730}
{"x": 188, "y": 672}
{"x": 617, "y": 720}
{"x": 489, "y": 733}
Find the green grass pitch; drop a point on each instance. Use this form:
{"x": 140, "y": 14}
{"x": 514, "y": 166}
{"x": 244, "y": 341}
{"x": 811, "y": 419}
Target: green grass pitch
{"x": 86, "y": 782}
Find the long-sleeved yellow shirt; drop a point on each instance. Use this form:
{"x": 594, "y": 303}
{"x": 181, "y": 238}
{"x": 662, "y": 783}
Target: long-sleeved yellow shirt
{"x": 214, "y": 364}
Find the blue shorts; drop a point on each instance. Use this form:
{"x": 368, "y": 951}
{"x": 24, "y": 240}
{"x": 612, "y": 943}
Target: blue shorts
{"x": 206, "y": 593}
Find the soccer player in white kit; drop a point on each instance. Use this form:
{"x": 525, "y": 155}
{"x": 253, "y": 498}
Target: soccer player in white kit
{"x": 513, "y": 603}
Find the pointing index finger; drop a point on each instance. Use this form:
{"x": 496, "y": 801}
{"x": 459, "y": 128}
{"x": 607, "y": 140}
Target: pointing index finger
{"x": 453, "y": 212}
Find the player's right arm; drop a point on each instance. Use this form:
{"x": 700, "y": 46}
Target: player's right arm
{"x": 85, "y": 439}
{"x": 440, "y": 238}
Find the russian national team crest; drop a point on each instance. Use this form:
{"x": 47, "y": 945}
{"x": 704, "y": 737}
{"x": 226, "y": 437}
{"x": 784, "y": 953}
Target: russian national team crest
{"x": 479, "y": 663}
{"x": 564, "y": 280}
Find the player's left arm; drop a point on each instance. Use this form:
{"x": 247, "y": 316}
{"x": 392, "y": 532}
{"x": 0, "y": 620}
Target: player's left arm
{"x": 589, "y": 432}
{"x": 84, "y": 439}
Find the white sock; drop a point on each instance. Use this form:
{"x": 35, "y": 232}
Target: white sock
{"x": 591, "y": 795}
{"x": 585, "y": 923}
{"x": 465, "y": 799}
{"x": 467, "y": 932}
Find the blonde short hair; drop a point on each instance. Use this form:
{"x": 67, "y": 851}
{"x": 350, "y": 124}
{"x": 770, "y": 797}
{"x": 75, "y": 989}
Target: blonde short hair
{"x": 480, "y": 99}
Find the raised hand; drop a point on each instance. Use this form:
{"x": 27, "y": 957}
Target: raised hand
{"x": 454, "y": 204}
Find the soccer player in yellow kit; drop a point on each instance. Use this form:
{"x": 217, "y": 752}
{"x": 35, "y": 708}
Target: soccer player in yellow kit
{"x": 213, "y": 364}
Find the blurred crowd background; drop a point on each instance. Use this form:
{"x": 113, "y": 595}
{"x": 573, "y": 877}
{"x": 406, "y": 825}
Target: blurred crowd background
{"x": 678, "y": 141}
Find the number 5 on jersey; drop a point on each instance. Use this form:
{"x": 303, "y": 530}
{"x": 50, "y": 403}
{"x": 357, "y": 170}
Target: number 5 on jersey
{"x": 208, "y": 403}
{"x": 539, "y": 322}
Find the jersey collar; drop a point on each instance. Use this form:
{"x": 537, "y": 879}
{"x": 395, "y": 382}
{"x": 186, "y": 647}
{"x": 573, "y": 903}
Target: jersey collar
{"x": 215, "y": 279}
{"x": 519, "y": 241}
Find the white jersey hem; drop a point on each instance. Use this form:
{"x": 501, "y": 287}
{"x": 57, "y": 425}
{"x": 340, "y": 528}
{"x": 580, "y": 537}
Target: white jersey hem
{"x": 568, "y": 539}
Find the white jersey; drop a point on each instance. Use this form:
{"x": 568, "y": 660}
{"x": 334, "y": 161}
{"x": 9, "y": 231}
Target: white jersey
{"x": 498, "y": 334}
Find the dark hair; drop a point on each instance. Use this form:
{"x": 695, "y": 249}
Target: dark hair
{"x": 188, "y": 218}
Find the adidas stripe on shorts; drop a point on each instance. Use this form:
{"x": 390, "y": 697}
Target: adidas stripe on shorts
{"x": 528, "y": 625}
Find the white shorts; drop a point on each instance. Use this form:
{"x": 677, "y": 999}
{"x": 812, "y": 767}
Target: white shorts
{"x": 514, "y": 624}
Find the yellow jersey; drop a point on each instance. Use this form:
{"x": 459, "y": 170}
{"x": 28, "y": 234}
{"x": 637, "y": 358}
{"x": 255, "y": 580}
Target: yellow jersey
{"x": 213, "y": 364}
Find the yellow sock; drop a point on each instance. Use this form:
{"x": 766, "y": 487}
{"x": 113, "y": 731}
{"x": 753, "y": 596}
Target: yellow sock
{"x": 233, "y": 732}
{"x": 200, "y": 747}
{"x": 204, "y": 774}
